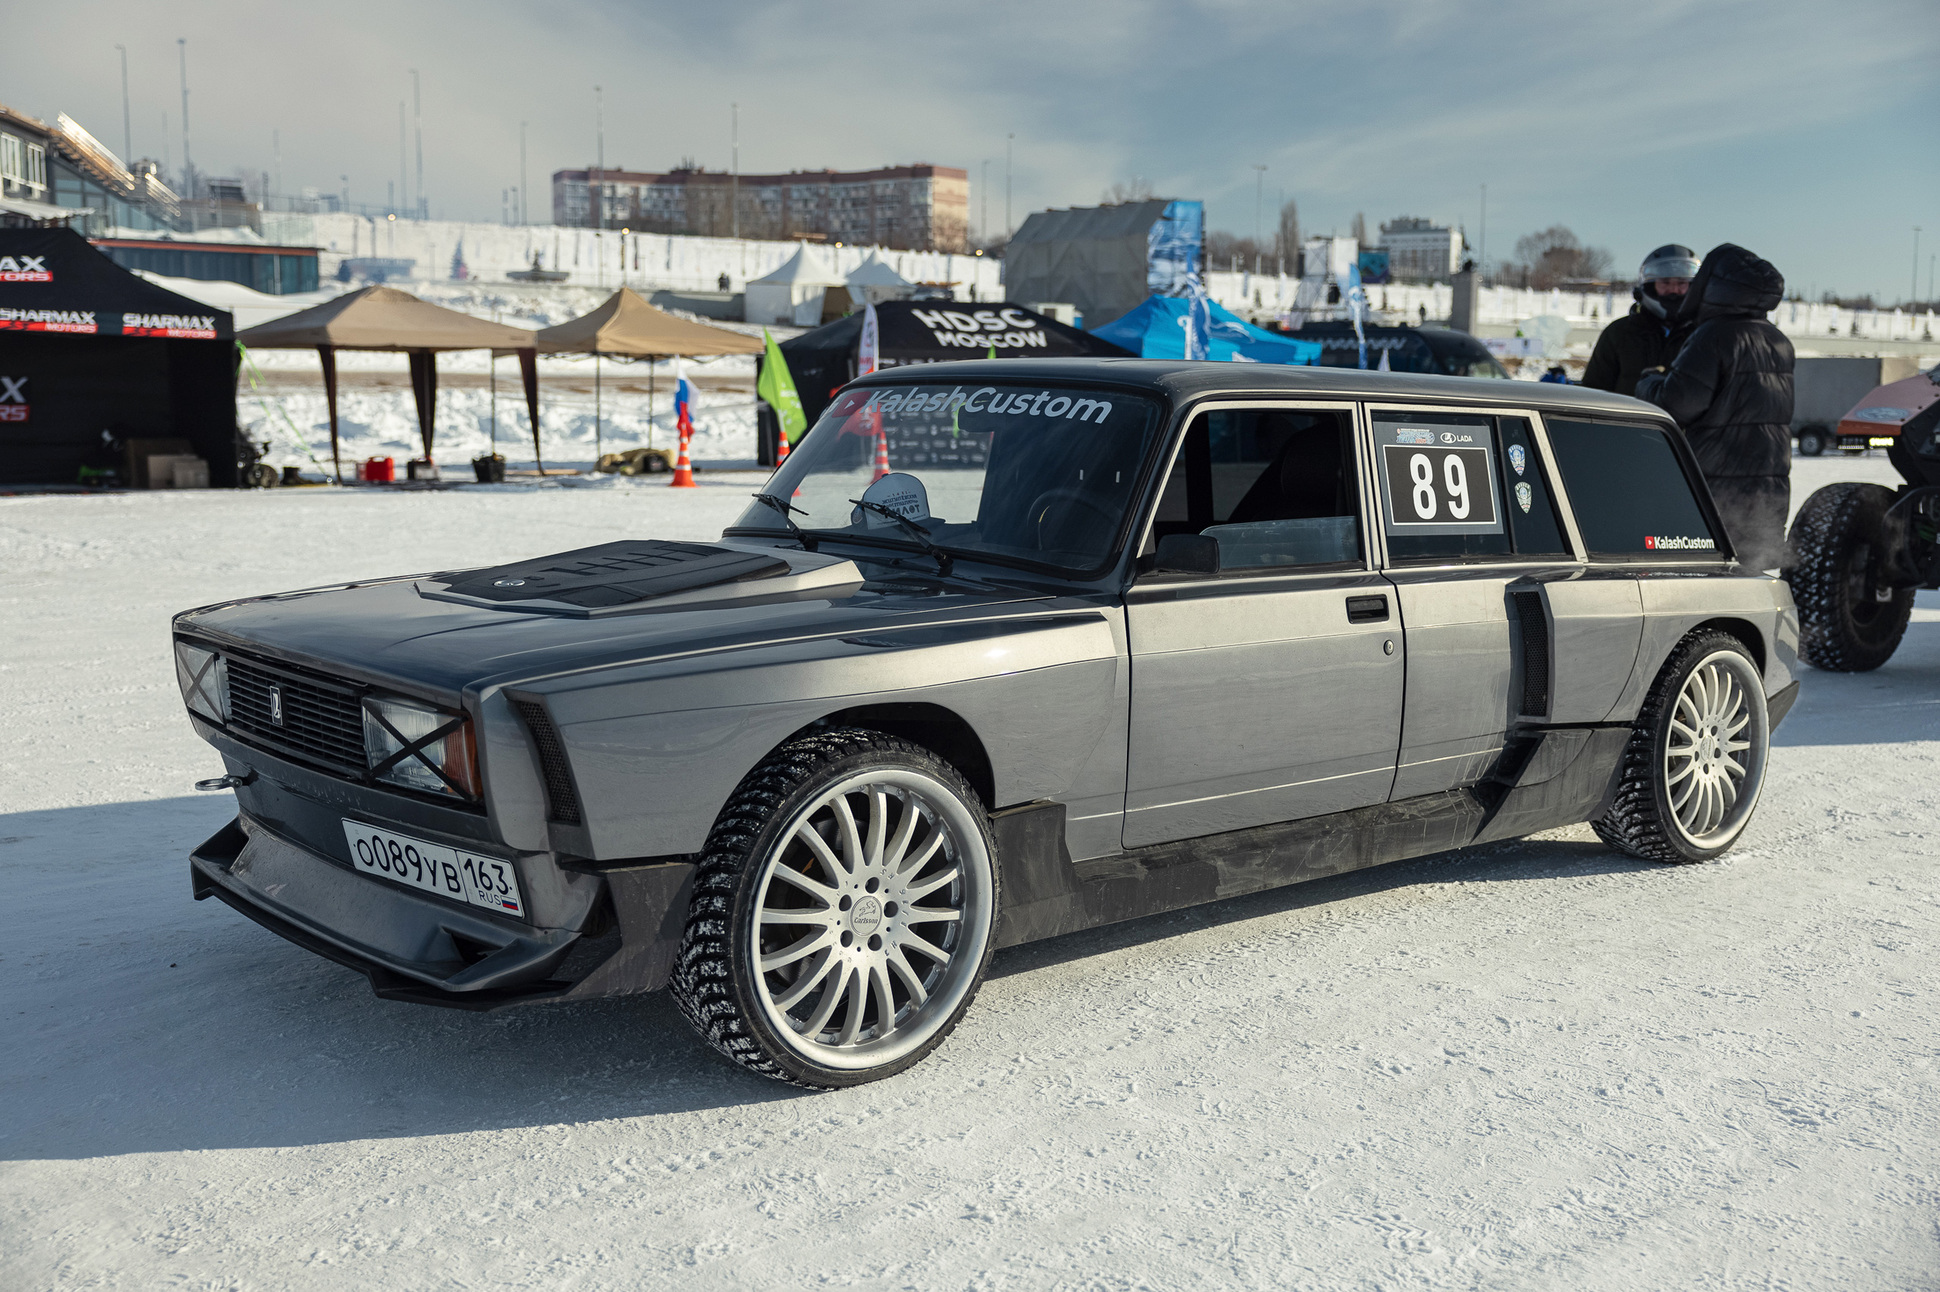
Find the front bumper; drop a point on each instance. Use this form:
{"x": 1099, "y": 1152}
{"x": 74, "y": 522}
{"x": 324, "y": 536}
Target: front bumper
{"x": 420, "y": 948}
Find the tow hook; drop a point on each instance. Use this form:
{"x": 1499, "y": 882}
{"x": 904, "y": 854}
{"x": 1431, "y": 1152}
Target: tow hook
{"x": 226, "y": 782}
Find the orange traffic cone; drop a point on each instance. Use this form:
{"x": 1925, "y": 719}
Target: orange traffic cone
{"x": 683, "y": 469}
{"x": 882, "y": 451}
{"x": 781, "y": 448}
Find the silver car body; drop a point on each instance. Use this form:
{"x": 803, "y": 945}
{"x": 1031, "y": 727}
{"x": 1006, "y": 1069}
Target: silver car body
{"x": 1143, "y": 740}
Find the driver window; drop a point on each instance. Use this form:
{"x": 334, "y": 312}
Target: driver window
{"x": 1275, "y": 486}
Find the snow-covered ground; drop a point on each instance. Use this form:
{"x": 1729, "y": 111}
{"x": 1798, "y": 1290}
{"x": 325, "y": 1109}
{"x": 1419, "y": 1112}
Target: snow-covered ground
{"x": 1535, "y": 1065}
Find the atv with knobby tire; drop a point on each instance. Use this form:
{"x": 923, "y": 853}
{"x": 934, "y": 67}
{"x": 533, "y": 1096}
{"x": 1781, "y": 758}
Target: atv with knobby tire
{"x": 1860, "y": 551}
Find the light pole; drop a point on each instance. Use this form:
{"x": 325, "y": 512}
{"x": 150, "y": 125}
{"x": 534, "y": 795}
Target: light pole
{"x": 1259, "y": 204}
{"x": 1007, "y": 146}
{"x": 1914, "y": 295}
{"x": 1482, "y": 247}
{"x": 599, "y": 152}
{"x": 983, "y": 220}
{"x": 403, "y": 159}
{"x": 188, "y": 168}
{"x": 417, "y": 126}
{"x": 127, "y": 131}
{"x": 734, "y": 166}
{"x": 523, "y": 218}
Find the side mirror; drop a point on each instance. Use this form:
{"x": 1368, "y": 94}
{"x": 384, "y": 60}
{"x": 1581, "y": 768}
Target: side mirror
{"x": 1187, "y": 554}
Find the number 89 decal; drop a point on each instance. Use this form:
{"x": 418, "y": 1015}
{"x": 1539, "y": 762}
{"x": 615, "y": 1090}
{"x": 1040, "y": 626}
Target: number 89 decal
{"x": 1437, "y": 487}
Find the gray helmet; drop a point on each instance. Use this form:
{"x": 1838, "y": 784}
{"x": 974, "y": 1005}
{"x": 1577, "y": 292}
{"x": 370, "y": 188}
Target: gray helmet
{"x": 1668, "y": 261}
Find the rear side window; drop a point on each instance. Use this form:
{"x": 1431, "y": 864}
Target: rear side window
{"x": 1458, "y": 486}
{"x": 1630, "y": 493}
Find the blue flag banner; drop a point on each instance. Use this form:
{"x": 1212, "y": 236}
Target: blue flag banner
{"x": 1172, "y": 248}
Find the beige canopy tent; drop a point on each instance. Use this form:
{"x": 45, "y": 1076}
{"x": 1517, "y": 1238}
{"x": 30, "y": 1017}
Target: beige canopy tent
{"x": 627, "y": 326}
{"x": 384, "y": 318}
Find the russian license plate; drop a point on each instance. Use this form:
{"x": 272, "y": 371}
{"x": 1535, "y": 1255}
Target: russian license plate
{"x": 449, "y": 872}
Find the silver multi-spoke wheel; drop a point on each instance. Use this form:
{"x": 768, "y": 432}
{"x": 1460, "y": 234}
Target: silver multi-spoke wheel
{"x": 844, "y": 911}
{"x": 862, "y": 909}
{"x": 1696, "y": 761}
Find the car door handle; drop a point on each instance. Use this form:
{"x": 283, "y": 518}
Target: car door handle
{"x": 1367, "y": 610}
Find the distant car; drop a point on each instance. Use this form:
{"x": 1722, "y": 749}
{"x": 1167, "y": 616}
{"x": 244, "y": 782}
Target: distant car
{"x": 1004, "y": 650}
{"x": 1427, "y": 350}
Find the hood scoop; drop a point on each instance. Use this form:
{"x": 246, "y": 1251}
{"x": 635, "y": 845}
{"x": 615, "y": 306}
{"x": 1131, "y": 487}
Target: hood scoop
{"x": 640, "y": 575}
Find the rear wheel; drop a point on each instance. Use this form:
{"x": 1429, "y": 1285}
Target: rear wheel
{"x": 844, "y": 912}
{"x": 1696, "y": 761}
{"x": 1850, "y": 619}
{"x": 1813, "y": 441}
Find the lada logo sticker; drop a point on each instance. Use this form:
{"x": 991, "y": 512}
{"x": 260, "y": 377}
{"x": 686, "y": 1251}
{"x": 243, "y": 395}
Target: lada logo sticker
{"x": 1408, "y": 436}
{"x": 1518, "y": 459}
{"x": 1525, "y": 496}
{"x": 508, "y": 583}
{"x": 276, "y": 705}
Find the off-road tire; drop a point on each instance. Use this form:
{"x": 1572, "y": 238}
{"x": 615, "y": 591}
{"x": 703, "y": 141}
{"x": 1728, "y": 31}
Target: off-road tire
{"x": 1813, "y": 441}
{"x": 1641, "y": 819}
{"x": 713, "y": 975}
{"x": 1838, "y": 555}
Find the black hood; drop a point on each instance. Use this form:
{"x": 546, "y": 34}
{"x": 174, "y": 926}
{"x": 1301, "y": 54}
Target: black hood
{"x": 1732, "y": 282}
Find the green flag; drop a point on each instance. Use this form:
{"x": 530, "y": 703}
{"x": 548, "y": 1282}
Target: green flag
{"x": 777, "y": 387}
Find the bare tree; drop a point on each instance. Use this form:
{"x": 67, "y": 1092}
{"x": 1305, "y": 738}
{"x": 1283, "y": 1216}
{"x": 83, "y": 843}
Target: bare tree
{"x": 1227, "y": 252}
{"x": 1287, "y": 238}
{"x": 1553, "y": 256}
{"x": 1135, "y": 189}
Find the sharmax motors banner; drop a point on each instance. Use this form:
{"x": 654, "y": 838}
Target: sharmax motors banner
{"x": 52, "y": 281}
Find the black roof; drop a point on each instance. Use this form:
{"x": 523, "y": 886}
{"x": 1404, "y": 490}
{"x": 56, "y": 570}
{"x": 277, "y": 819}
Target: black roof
{"x": 1181, "y": 379}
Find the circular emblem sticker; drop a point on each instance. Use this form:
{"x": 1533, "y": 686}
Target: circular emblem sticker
{"x": 1524, "y": 494}
{"x": 1518, "y": 459}
{"x": 1879, "y": 413}
{"x": 867, "y": 916}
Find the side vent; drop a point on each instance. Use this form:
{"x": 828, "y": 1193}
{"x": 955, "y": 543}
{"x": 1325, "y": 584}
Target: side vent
{"x": 562, "y": 801}
{"x": 1535, "y": 653}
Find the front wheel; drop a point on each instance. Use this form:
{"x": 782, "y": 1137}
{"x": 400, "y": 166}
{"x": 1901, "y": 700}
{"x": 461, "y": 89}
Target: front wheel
{"x": 1813, "y": 441}
{"x": 1851, "y": 618}
{"x": 1696, "y": 760}
{"x": 844, "y": 913}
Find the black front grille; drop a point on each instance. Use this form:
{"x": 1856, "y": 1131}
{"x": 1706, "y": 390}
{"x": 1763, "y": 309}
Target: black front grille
{"x": 1535, "y": 654}
{"x": 321, "y": 722}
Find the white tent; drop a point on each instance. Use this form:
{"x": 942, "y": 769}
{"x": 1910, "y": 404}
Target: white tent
{"x": 792, "y": 294}
{"x": 872, "y": 282}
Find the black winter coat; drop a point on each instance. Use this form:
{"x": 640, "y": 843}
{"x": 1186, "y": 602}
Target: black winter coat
{"x": 1628, "y": 348}
{"x": 1730, "y": 387}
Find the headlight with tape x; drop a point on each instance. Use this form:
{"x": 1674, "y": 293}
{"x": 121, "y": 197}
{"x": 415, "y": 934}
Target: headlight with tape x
{"x": 204, "y": 679}
{"x": 420, "y": 748}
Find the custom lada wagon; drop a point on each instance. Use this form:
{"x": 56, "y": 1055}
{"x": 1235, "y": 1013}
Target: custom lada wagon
{"x": 1003, "y": 650}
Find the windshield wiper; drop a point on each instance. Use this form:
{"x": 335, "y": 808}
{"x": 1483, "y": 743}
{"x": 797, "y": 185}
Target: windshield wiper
{"x": 782, "y": 508}
{"x": 942, "y": 558}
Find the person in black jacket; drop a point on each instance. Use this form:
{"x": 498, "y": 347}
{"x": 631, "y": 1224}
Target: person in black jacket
{"x": 1730, "y": 388}
{"x": 1648, "y": 336}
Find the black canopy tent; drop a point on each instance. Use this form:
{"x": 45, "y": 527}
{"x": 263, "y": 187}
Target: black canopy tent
{"x": 824, "y": 360}
{"x": 87, "y": 348}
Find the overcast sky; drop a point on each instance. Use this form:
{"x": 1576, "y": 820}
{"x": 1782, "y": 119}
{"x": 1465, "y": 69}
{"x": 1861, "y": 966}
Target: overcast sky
{"x": 1805, "y": 131}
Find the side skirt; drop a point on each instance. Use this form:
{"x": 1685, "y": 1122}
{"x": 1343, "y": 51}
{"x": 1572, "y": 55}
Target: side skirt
{"x": 1556, "y": 777}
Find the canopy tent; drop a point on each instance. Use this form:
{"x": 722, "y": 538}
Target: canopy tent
{"x": 792, "y": 294}
{"x": 1157, "y": 330}
{"x": 872, "y": 282}
{"x": 384, "y": 318}
{"x": 92, "y": 355}
{"x": 627, "y": 326}
{"x": 824, "y": 360}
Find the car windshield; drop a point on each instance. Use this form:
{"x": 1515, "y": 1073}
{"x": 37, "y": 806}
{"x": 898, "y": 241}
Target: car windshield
{"x": 1040, "y": 474}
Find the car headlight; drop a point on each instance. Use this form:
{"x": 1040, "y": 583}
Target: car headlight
{"x": 204, "y": 680}
{"x": 411, "y": 744}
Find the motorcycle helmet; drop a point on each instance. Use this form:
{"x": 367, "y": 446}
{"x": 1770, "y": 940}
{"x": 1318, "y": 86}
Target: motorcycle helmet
{"x": 1668, "y": 261}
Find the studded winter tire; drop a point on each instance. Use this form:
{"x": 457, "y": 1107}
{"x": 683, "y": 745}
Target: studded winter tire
{"x": 1850, "y": 618}
{"x": 844, "y": 912}
{"x": 1695, "y": 764}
